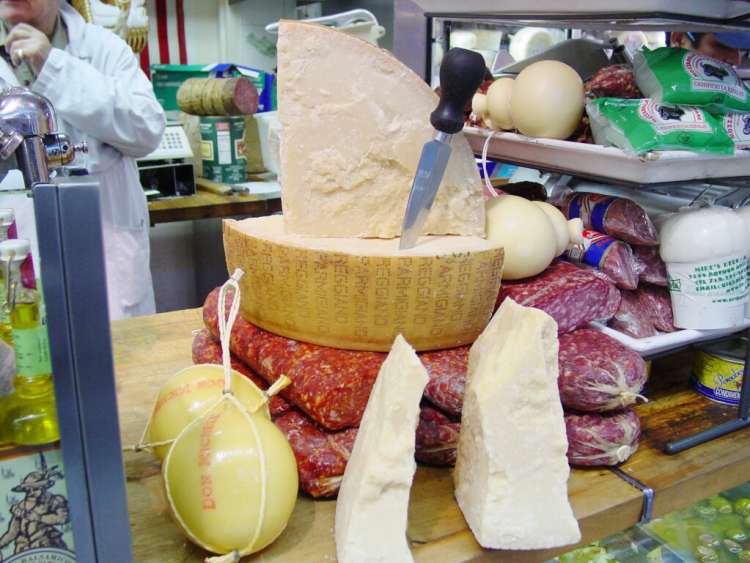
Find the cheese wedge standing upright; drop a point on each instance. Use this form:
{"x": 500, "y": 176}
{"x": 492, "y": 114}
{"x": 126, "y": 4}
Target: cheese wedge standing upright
{"x": 354, "y": 121}
{"x": 373, "y": 501}
{"x": 511, "y": 471}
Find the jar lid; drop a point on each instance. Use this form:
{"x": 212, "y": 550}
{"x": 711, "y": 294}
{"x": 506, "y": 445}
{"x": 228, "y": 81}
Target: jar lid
{"x": 14, "y": 249}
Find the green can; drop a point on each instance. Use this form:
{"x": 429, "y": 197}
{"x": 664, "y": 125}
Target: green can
{"x": 223, "y": 149}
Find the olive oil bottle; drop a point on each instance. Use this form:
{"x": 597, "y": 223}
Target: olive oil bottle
{"x": 31, "y": 414}
{"x": 7, "y": 218}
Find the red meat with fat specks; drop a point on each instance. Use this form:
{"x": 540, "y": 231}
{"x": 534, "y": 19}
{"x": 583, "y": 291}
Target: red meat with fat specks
{"x": 437, "y": 438}
{"x": 571, "y": 295}
{"x": 631, "y": 318}
{"x": 657, "y": 302}
{"x": 207, "y": 351}
{"x": 651, "y": 266}
{"x": 602, "y": 439}
{"x": 321, "y": 456}
{"x": 614, "y": 81}
{"x": 597, "y": 373}
{"x": 332, "y": 386}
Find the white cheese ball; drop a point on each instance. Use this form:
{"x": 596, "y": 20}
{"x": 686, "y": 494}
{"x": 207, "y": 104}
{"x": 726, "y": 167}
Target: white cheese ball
{"x": 559, "y": 222}
{"x": 479, "y": 104}
{"x": 695, "y": 235}
{"x": 525, "y": 232}
{"x": 498, "y": 103}
{"x": 547, "y": 100}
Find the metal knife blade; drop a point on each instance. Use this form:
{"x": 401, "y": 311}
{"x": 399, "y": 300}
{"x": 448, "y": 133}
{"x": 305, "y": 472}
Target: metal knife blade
{"x": 432, "y": 164}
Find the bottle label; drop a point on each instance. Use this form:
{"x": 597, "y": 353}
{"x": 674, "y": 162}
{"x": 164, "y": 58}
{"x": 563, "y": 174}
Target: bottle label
{"x": 32, "y": 351}
{"x": 594, "y": 248}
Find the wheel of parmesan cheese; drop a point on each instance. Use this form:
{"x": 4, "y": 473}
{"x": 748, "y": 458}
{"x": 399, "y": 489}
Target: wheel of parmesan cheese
{"x": 360, "y": 293}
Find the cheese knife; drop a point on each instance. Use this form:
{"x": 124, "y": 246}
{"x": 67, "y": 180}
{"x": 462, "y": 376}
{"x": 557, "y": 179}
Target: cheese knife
{"x": 461, "y": 73}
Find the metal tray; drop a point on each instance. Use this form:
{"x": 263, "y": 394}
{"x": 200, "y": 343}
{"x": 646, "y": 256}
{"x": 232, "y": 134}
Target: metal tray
{"x": 607, "y": 163}
{"x": 654, "y": 345}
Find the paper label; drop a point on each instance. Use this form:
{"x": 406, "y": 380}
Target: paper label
{"x": 594, "y": 248}
{"x": 719, "y": 282}
{"x": 32, "y": 351}
{"x": 591, "y": 209}
{"x": 710, "y": 75}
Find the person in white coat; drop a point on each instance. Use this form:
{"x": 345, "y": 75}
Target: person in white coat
{"x": 102, "y": 97}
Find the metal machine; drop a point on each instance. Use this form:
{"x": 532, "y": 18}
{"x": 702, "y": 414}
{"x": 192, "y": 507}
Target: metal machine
{"x": 28, "y": 129}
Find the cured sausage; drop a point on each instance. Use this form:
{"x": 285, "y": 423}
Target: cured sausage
{"x": 614, "y": 81}
{"x": 597, "y": 373}
{"x": 631, "y": 318}
{"x": 207, "y": 351}
{"x": 571, "y": 295}
{"x": 330, "y": 385}
{"x": 602, "y": 439}
{"x": 651, "y": 266}
{"x": 437, "y": 438}
{"x": 321, "y": 456}
{"x": 615, "y": 216}
{"x": 611, "y": 256}
{"x": 658, "y": 304}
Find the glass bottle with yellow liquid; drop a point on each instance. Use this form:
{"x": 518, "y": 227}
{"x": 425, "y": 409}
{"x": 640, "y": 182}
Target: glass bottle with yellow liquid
{"x": 7, "y": 218}
{"x": 31, "y": 414}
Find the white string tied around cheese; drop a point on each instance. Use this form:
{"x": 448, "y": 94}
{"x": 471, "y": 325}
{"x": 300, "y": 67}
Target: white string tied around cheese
{"x": 226, "y": 322}
{"x": 487, "y": 184}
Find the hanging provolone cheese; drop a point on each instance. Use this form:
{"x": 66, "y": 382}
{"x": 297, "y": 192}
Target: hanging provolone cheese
{"x": 360, "y": 293}
{"x": 511, "y": 472}
{"x": 354, "y": 122}
{"x": 373, "y": 501}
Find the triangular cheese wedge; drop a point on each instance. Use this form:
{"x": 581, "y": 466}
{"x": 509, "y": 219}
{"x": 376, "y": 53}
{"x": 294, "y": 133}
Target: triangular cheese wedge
{"x": 512, "y": 472}
{"x": 373, "y": 501}
{"x": 354, "y": 122}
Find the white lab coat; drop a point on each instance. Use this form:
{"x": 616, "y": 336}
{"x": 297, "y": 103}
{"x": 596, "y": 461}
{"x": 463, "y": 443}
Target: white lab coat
{"x": 102, "y": 97}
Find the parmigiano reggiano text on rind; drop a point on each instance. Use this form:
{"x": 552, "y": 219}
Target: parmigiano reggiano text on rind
{"x": 354, "y": 122}
{"x": 360, "y": 293}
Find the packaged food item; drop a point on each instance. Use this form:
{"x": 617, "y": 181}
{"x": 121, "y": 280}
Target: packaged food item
{"x": 705, "y": 250}
{"x": 679, "y": 76}
{"x": 718, "y": 369}
{"x": 437, "y": 437}
{"x": 613, "y": 257}
{"x": 602, "y": 439}
{"x": 737, "y": 126}
{"x": 571, "y": 295}
{"x": 631, "y": 318}
{"x": 597, "y": 373}
{"x": 618, "y": 217}
{"x": 650, "y": 265}
{"x": 655, "y": 301}
{"x": 613, "y": 81}
{"x": 321, "y": 456}
{"x": 641, "y": 126}
{"x": 207, "y": 351}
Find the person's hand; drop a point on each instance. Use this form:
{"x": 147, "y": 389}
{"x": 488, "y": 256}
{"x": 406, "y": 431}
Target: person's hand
{"x": 25, "y": 42}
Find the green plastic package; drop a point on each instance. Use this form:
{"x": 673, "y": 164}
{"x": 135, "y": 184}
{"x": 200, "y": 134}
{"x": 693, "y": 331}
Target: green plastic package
{"x": 678, "y": 76}
{"x": 737, "y": 126}
{"x": 640, "y": 126}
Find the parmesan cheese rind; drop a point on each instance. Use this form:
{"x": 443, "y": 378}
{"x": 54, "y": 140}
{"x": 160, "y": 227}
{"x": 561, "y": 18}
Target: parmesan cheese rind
{"x": 511, "y": 471}
{"x": 354, "y": 121}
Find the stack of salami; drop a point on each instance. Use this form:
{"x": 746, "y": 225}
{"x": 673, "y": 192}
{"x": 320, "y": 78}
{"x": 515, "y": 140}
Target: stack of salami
{"x": 600, "y": 379}
{"x": 623, "y": 246}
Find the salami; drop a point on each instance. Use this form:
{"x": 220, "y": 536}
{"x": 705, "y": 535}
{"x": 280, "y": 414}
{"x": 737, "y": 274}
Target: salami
{"x": 612, "y": 257}
{"x": 321, "y": 456}
{"x": 332, "y": 386}
{"x": 658, "y": 304}
{"x": 437, "y": 437}
{"x": 571, "y": 295}
{"x": 597, "y": 373}
{"x": 651, "y": 266}
{"x": 447, "y": 371}
{"x": 207, "y": 351}
{"x": 615, "y": 216}
{"x": 644, "y": 312}
{"x": 614, "y": 81}
{"x": 602, "y": 439}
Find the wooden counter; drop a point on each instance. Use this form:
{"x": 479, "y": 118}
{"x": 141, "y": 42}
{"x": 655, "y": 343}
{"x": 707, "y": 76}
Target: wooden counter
{"x": 148, "y": 350}
{"x": 207, "y": 205}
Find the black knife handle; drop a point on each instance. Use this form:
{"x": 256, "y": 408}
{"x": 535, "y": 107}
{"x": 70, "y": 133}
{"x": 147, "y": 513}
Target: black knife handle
{"x": 461, "y": 73}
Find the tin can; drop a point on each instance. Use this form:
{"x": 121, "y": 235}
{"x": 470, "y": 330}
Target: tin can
{"x": 718, "y": 369}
